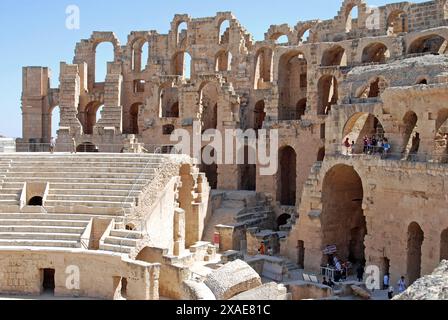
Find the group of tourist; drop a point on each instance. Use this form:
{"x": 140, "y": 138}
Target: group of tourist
{"x": 263, "y": 251}
{"x": 371, "y": 145}
{"x": 53, "y": 145}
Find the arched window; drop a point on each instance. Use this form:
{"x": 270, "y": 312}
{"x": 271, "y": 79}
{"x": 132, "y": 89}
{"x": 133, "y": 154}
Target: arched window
{"x": 36, "y": 201}
{"x": 181, "y": 65}
{"x": 140, "y": 55}
{"x": 334, "y": 56}
{"x": 434, "y": 44}
{"x": 263, "y": 67}
{"x": 352, "y": 14}
{"x": 304, "y": 37}
{"x": 397, "y": 22}
{"x": 169, "y": 103}
{"x": 224, "y": 32}
{"x": 375, "y": 52}
{"x": 327, "y": 94}
{"x": 55, "y": 120}
{"x": 181, "y": 33}
{"x": 223, "y": 61}
{"x": 104, "y": 53}
{"x": 282, "y": 39}
{"x": 209, "y": 106}
{"x": 91, "y": 115}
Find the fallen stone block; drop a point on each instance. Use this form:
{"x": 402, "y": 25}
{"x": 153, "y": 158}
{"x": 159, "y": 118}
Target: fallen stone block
{"x": 302, "y": 290}
{"x": 360, "y": 292}
{"x": 231, "y": 279}
{"x": 269, "y": 291}
{"x": 194, "y": 290}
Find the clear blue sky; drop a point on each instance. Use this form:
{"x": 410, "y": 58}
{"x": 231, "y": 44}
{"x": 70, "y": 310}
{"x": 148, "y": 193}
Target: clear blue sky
{"x": 33, "y": 33}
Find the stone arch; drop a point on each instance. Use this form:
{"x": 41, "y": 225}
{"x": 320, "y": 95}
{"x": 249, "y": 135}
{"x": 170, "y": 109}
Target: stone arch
{"x": 223, "y": 61}
{"x": 342, "y": 219}
{"x": 54, "y": 121}
{"x": 132, "y": 117}
{"x": 432, "y": 43}
{"x": 376, "y": 52}
{"x": 181, "y": 32}
{"x": 327, "y": 88}
{"x": 334, "y": 56}
{"x": 287, "y": 176}
{"x": 358, "y": 126}
{"x": 347, "y": 16}
{"x": 102, "y": 58}
{"x": 444, "y": 245}
{"x": 373, "y": 89}
{"x": 36, "y": 201}
{"x": 168, "y": 101}
{"x": 440, "y": 152}
{"x": 91, "y": 115}
{"x": 292, "y": 82}
{"x": 224, "y": 31}
{"x": 397, "y": 22}
{"x": 415, "y": 238}
{"x": 209, "y": 97}
{"x": 259, "y": 115}
{"x": 410, "y": 134}
{"x": 181, "y": 64}
{"x": 263, "y": 67}
{"x": 305, "y": 32}
{"x": 277, "y": 32}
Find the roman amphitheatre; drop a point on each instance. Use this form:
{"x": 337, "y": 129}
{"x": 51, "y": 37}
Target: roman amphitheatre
{"x": 128, "y": 217}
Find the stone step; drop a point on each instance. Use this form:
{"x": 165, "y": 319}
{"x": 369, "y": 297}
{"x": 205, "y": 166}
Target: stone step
{"x": 9, "y": 202}
{"x": 67, "y": 180}
{"x": 43, "y": 222}
{"x": 55, "y": 216}
{"x": 78, "y": 169}
{"x": 40, "y": 243}
{"x": 80, "y": 175}
{"x": 42, "y": 229}
{"x": 98, "y": 164}
{"x": 98, "y": 186}
{"x": 99, "y": 192}
{"x": 39, "y": 236}
{"x": 121, "y": 241}
{"x": 89, "y": 198}
{"x": 9, "y": 196}
{"x": 115, "y": 248}
{"x": 126, "y": 234}
{"x": 102, "y": 204}
{"x": 233, "y": 204}
{"x": 13, "y": 191}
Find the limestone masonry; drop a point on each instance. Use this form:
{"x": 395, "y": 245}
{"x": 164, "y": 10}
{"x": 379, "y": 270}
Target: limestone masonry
{"x": 131, "y": 221}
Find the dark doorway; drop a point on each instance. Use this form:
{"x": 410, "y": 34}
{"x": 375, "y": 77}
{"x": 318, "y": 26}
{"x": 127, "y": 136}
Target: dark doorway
{"x": 124, "y": 288}
{"x": 283, "y": 219}
{"x": 415, "y": 242}
{"x": 36, "y": 201}
{"x": 444, "y": 245}
{"x": 301, "y": 254}
{"x": 286, "y": 185}
{"x": 48, "y": 283}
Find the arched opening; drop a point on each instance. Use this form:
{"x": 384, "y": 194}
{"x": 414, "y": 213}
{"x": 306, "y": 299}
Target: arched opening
{"x": 169, "y": 104}
{"x": 423, "y": 81}
{"x": 441, "y": 138}
{"x": 130, "y": 227}
{"x": 181, "y": 33}
{"x": 209, "y": 106}
{"x": 140, "y": 55}
{"x": 209, "y": 166}
{"x": 444, "y": 245}
{"x": 397, "y": 22}
{"x": 248, "y": 172}
{"x": 334, "y": 56}
{"x": 342, "y": 219}
{"x": 259, "y": 115}
{"x": 287, "y": 177}
{"x": 434, "y": 44}
{"x": 281, "y": 38}
{"x": 293, "y": 85}
{"x": 351, "y": 14}
{"x": 223, "y": 61}
{"x": 55, "y": 121}
{"x": 224, "y": 32}
{"x": 321, "y": 154}
{"x": 263, "y": 67}
{"x": 411, "y": 136}
{"x": 104, "y": 53}
{"x": 362, "y": 125}
{"x": 327, "y": 94}
{"x": 91, "y": 115}
{"x": 304, "y": 36}
{"x": 36, "y": 201}
{"x": 133, "y": 119}
{"x": 48, "y": 281}
{"x": 414, "y": 252}
{"x": 375, "y": 52}
{"x": 301, "y": 254}
{"x": 283, "y": 220}
{"x": 300, "y": 109}
{"x": 181, "y": 65}
{"x": 373, "y": 90}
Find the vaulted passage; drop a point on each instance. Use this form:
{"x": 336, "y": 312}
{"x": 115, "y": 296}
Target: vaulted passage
{"x": 414, "y": 252}
{"x": 292, "y": 85}
{"x": 359, "y": 126}
{"x": 375, "y": 52}
{"x": 434, "y": 44}
{"x": 327, "y": 93}
{"x": 343, "y": 221}
{"x": 287, "y": 175}
{"x": 48, "y": 283}
{"x": 209, "y": 104}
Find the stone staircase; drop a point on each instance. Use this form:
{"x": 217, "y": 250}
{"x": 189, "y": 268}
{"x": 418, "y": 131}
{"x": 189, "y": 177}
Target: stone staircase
{"x": 79, "y": 188}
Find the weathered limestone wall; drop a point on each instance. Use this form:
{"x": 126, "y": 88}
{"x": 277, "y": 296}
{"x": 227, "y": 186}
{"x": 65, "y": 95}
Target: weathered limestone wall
{"x": 22, "y": 273}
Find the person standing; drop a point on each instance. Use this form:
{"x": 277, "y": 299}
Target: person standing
{"x": 347, "y": 146}
{"x": 390, "y": 293}
{"x": 73, "y": 145}
{"x": 386, "y": 281}
{"x": 402, "y": 285}
{"x": 52, "y": 144}
{"x": 360, "y": 273}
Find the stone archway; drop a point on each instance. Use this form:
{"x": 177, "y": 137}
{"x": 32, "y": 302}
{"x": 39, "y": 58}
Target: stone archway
{"x": 287, "y": 176}
{"x": 343, "y": 221}
{"x": 444, "y": 245}
{"x": 415, "y": 240}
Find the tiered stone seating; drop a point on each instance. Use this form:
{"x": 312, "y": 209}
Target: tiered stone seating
{"x": 81, "y": 187}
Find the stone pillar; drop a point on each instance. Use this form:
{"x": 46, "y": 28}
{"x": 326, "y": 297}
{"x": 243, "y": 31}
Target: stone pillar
{"x": 179, "y": 232}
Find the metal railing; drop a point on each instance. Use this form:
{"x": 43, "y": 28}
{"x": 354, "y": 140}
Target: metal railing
{"x": 397, "y": 156}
